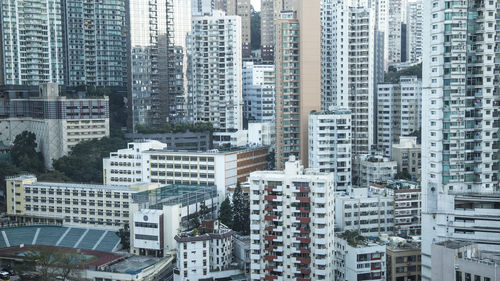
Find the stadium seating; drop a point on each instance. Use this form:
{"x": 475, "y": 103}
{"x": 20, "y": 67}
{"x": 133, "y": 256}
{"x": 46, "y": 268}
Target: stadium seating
{"x": 66, "y": 236}
{"x": 90, "y": 239}
{"x": 109, "y": 242}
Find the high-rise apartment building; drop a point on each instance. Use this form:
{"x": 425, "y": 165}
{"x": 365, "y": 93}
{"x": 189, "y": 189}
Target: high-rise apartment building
{"x": 460, "y": 124}
{"x": 158, "y": 60}
{"x": 70, "y": 42}
{"x": 205, "y": 7}
{"x": 388, "y": 116}
{"x": 215, "y": 84}
{"x": 399, "y": 110}
{"x": 269, "y": 13}
{"x": 259, "y": 92}
{"x": 351, "y": 51}
{"x": 267, "y": 30}
{"x": 95, "y": 43}
{"x": 298, "y": 78}
{"x": 242, "y": 8}
{"x": 388, "y": 20}
{"x": 330, "y": 145}
{"x": 414, "y": 36}
{"x": 292, "y": 214}
{"x": 32, "y": 42}
{"x": 148, "y": 54}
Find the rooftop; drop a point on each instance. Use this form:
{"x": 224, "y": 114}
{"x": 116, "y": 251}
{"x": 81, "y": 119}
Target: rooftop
{"x": 81, "y": 186}
{"x": 132, "y": 264}
{"x": 174, "y": 194}
{"x": 454, "y": 244}
{"x": 214, "y": 231}
{"x": 356, "y": 240}
{"x": 207, "y": 152}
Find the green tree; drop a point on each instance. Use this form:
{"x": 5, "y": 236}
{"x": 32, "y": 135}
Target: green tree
{"x": 393, "y": 76}
{"x": 124, "y": 234}
{"x": 50, "y": 264}
{"x": 239, "y": 210}
{"x": 24, "y": 154}
{"x": 53, "y": 176}
{"x": 195, "y": 220}
{"x": 403, "y": 175}
{"x": 226, "y": 213}
{"x": 204, "y": 211}
{"x": 255, "y": 35}
{"x": 84, "y": 162}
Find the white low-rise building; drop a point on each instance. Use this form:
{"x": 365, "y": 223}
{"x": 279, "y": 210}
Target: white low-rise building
{"x": 262, "y": 134}
{"x": 373, "y": 168}
{"x": 368, "y": 214}
{"x": 359, "y": 258}
{"x": 151, "y": 161}
{"x": 206, "y": 255}
{"x": 82, "y": 205}
{"x": 407, "y": 204}
{"x": 159, "y": 215}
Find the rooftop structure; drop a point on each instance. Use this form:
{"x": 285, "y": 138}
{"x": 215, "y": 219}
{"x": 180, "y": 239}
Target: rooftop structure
{"x": 184, "y": 195}
{"x": 359, "y": 258}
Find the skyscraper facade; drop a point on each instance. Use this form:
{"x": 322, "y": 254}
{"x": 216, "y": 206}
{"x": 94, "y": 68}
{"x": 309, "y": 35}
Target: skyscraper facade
{"x": 267, "y": 29}
{"x": 414, "y": 21}
{"x": 460, "y": 145}
{"x": 350, "y": 70}
{"x": 148, "y": 30}
{"x": 259, "y": 92}
{"x": 242, "y": 8}
{"x": 204, "y": 7}
{"x": 330, "y": 145}
{"x": 298, "y": 78}
{"x": 216, "y": 68}
{"x": 157, "y": 66}
{"x": 95, "y": 43}
{"x": 32, "y": 42}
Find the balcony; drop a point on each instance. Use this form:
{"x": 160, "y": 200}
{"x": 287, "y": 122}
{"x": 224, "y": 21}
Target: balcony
{"x": 304, "y": 240}
{"x": 270, "y": 237}
{"x": 270, "y": 198}
{"x": 270, "y": 218}
{"x": 303, "y": 220}
{"x": 304, "y": 260}
{"x": 269, "y": 258}
{"x": 303, "y": 199}
{"x": 269, "y": 228}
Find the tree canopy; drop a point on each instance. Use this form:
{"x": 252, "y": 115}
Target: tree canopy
{"x": 393, "y": 76}
{"x": 24, "y": 154}
{"x": 84, "y": 162}
{"x": 177, "y": 128}
{"x": 255, "y": 30}
{"x": 226, "y": 213}
{"x": 241, "y": 211}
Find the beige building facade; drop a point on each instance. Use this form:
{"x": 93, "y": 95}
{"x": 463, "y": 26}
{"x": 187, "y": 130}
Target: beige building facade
{"x": 298, "y": 78}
